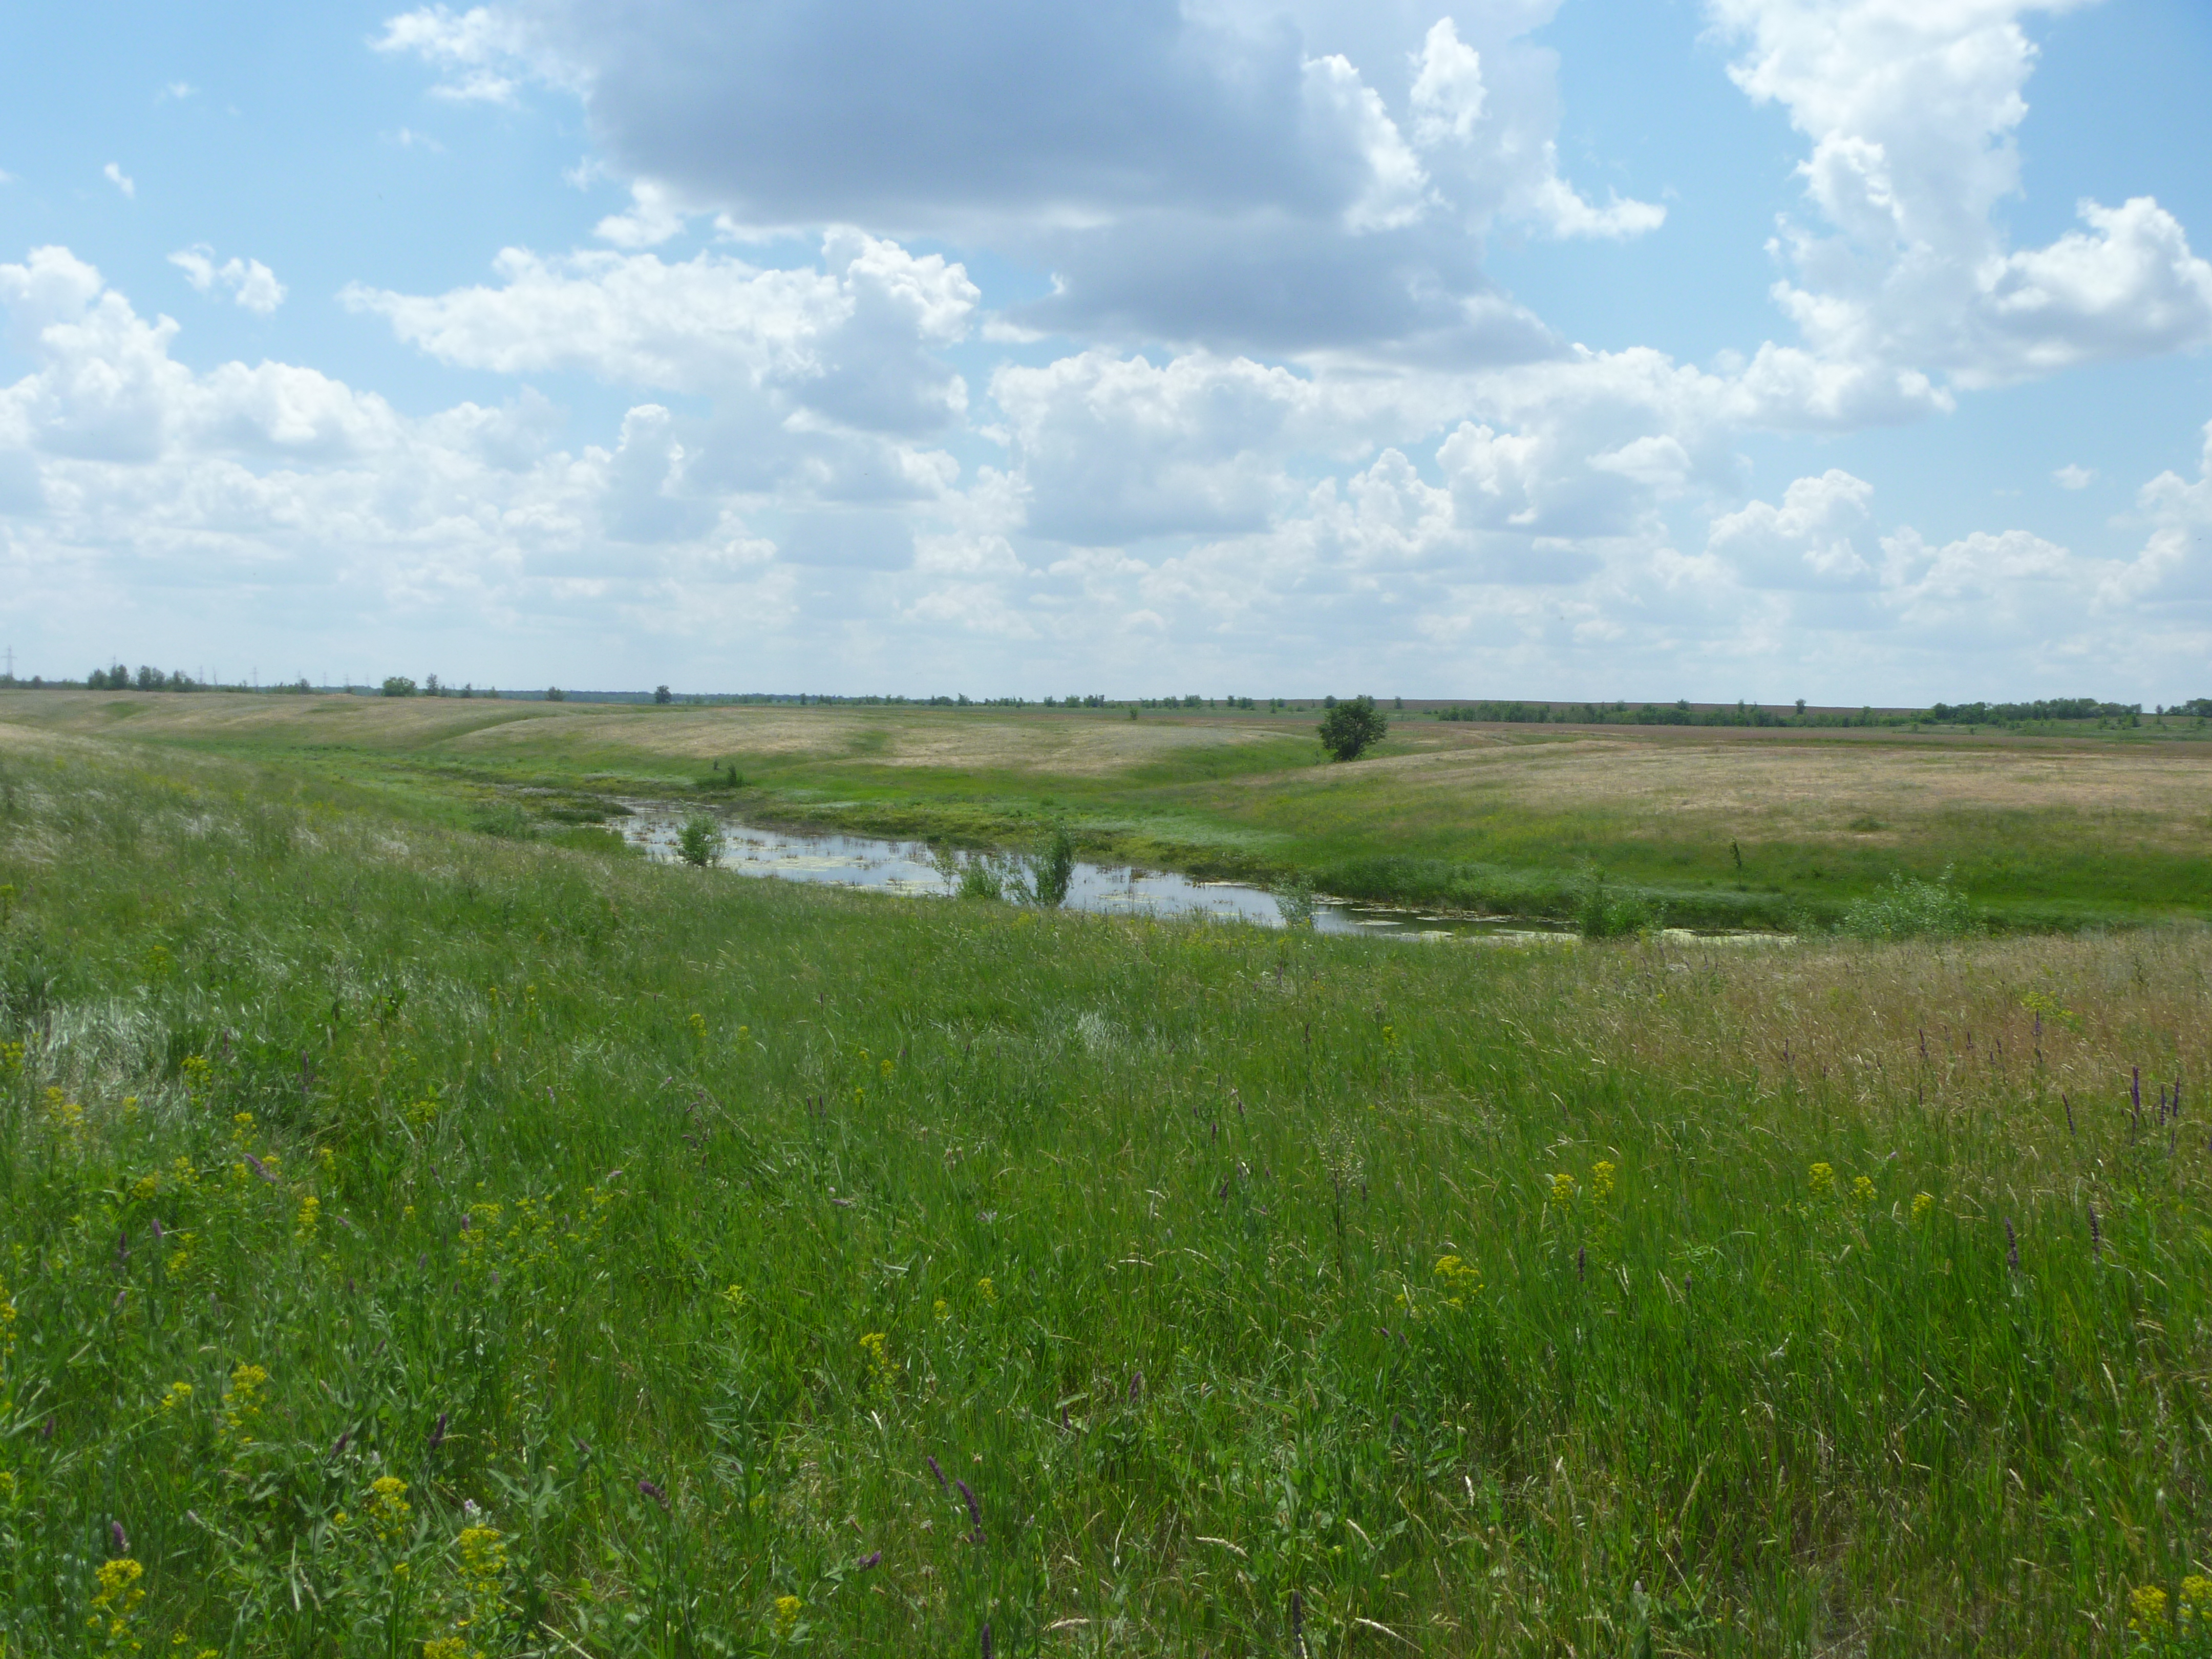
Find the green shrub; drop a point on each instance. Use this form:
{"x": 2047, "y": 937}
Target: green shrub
{"x": 1350, "y": 728}
{"x": 503, "y": 819}
{"x": 1603, "y": 912}
{"x": 1909, "y": 909}
{"x": 1052, "y": 868}
{"x": 699, "y": 842}
{"x": 1294, "y": 901}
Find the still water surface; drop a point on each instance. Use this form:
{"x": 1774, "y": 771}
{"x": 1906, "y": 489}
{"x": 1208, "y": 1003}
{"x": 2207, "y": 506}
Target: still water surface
{"x": 904, "y": 867}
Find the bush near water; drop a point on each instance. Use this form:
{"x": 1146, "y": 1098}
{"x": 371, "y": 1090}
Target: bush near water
{"x": 414, "y": 1241}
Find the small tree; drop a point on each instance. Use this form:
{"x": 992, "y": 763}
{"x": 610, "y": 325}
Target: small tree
{"x": 1351, "y": 727}
{"x": 699, "y": 842}
{"x": 662, "y": 694}
{"x": 1052, "y": 867}
{"x": 555, "y": 694}
{"x": 398, "y": 685}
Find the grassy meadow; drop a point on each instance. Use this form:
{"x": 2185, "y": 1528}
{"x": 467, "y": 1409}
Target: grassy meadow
{"x": 1775, "y": 827}
{"x": 422, "y": 1243}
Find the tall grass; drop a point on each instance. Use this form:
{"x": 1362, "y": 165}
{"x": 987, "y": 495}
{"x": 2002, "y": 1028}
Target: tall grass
{"x": 426, "y": 1243}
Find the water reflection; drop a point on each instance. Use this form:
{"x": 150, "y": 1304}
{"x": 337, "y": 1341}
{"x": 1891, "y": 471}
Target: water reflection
{"x": 906, "y": 867}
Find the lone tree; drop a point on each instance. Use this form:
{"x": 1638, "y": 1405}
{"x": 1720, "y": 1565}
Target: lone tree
{"x": 1351, "y": 727}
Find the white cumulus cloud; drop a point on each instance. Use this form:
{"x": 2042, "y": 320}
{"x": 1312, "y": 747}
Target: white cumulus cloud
{"x": 250, "y": 282}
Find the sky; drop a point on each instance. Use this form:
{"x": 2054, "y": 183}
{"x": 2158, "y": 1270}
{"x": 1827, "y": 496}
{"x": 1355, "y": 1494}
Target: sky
{"x": 1852, "y": 350}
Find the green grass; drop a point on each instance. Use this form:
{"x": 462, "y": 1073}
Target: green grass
{"x": 668, "y": 1225}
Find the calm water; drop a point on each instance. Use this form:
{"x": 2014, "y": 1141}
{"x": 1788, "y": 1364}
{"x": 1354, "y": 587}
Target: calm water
{"x": 901, "y": 867}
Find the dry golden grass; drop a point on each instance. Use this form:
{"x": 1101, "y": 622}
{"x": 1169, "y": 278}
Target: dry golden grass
{"x": 2008, "y": 1021}
{"x": 1802, "y": 788}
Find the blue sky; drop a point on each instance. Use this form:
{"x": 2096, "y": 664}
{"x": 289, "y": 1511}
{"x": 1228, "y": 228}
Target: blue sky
{"x": 1848, "y": 349}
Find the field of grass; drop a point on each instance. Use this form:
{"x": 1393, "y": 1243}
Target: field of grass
{"x": 421, "y": 1242}
{"x": 1773, "y": 827}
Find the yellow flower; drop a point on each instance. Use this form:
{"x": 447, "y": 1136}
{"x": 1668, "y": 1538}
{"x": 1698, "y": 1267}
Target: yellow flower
{"x": 241, "y": 1400}
{"x": 2196, "y": 1601}
{"x": 11, "y": 1058}
{"x": 2146, "y": 1610}
{"x": 310, "y": 1210}
{"x": 735, "y": 1296}
{"x": 387, "y": 1507}
{"x": 699, "y": 1026}
{"x": 787, "y": 1609}
{"x": 483, "y": 1552}
{"x": 241, "y": 1126}
{"x": 445, "y": 1647}
{"x": 194, "y": 1068}
{"x": 1602, "y": 1179}
{"x": 1461, "y": 1280}
{"x": 178, "y": 1395}
{"x": 985, "y": 1289}
{"x": 118, "y": 1592}
{"x": 941, "y": 1308}
{"x": 146, "y": 1186}
{"x": 1862, "y": 1188}
{"x": 878, "y": 1348}
{"x": 1823, "y": 1180}
{"x": 1921, "y": 1203}
{"x": 1562, "y": 1188}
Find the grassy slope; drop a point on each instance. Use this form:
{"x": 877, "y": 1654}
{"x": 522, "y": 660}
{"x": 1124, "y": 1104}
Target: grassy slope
{"x": 676, "y": 1222}
{"x": 1727, "y": 826}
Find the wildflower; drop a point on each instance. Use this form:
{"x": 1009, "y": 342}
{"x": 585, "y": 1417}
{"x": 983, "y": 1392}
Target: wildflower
{"x": 2147, "y": 1611}
{"x": 241, "y": 1126}
{"x": 1823, "y": 1180}
{"x": 1602, "y": 1174}
{"x": 178, "y": 1395}
{"x": 1562, "y": 1188}
{"x": 1921, "y": 1203}
{"x": 445, "y": 1647}
{"x": 387, "y": 1509}
{"x": 1862, "y": 1188}
{"x": 194, "y": 1069}
{"x": 975, "y": 1510}
{"x": 878, "y": 1348}
{"x": 115, "y": 1599}
{"x": 241, "y": 1401}
{"x": 654, "y": 1493}
{"x": 941, "y": 1308}
{"x": 11, "y": 1059}
{"x": 2196, "y": 1601}
{"x": 787, "y": 1609}
{"x": 7, "y": 1323}
{"x": 311, "y": 1209}
{"x": 734, "y": 1297}
{"x": 483, "y": 1552}
{"x": 985, "y": 1289}
{"x": 1461, "y": 1279}
{"x": 146, "y": 1186}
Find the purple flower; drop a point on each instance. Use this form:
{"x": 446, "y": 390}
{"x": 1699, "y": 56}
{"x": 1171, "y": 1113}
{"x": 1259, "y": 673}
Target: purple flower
{"x": 2012, "y": 1246}
{"x": 974, "y": 1508}
{"x": 936, "y": 1471}
{"x": 438, "y": 1432}
{"x": 339, "y": 1449}
{"x": 1136, "y": 1383}
{"x": 121, "y": 1539}
{"x": 872, "y": 1559}
{"x": 653, "y": 1491}
{"x": 986, "y": 1641}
